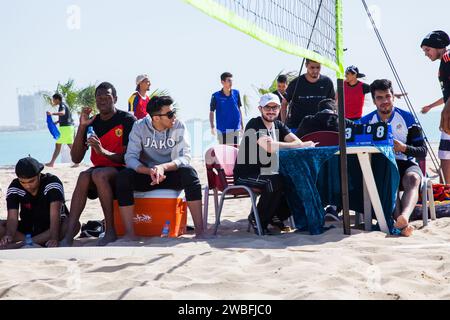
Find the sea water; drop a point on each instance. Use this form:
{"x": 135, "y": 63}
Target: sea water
{"x": 40, "y": 144}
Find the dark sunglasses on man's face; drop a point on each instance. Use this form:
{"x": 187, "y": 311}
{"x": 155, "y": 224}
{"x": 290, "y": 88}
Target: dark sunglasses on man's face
{"x": 269, "y": 108}
{"x": 169, "y": 114}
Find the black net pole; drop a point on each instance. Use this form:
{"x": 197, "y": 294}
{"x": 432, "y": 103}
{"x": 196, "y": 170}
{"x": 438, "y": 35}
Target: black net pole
{"x": 343, "y": 158}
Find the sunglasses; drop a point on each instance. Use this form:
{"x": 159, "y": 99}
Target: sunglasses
{"x": 169, "y": 114}
{"x": 269, "y": 108}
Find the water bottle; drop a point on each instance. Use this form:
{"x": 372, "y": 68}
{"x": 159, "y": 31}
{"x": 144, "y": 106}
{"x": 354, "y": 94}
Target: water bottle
{"x": 28, "y": 241}
{"x": 165, "y": 230}
{"x": 90, "y": 132}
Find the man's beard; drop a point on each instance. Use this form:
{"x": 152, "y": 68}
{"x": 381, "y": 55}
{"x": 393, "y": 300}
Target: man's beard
{"x": 386, "y": 111}
{"x": 268, "y": 120}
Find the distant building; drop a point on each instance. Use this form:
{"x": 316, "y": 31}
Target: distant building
{"x": 32, "y": 111}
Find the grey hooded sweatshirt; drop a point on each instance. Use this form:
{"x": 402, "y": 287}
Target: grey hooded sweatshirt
{"x": 149, "y": 147}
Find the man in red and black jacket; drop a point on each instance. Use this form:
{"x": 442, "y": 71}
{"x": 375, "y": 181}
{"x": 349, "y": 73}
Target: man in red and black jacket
{"x": 108, "y": 142}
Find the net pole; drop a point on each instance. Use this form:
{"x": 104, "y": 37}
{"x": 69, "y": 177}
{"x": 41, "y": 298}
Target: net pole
{"x": 341, "y": 110}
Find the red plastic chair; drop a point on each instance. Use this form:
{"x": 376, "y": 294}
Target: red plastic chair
{"x": 220, "y": 161}
{"x": 325, "y": 138}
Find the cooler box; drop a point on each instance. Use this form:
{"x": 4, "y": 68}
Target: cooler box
{"x": 152, "y": 210}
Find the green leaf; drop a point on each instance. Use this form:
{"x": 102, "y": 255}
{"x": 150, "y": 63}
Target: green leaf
{"x": 159, "y": 93}
{"x": 86, "y": 98}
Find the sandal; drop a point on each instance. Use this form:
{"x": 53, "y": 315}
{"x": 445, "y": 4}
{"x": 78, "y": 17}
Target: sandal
{"x": 277, "y": 223}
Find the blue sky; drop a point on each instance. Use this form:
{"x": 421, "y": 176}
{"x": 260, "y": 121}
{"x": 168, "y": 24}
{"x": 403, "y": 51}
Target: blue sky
{"x": 185, "y": 51}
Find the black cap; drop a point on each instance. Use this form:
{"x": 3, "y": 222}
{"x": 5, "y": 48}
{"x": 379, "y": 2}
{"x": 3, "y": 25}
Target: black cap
{"x": 28, "y": 168}
{"x": 355, "y": 70}
{"x": 436, "y": 39}
{"x": 327, "y": 104}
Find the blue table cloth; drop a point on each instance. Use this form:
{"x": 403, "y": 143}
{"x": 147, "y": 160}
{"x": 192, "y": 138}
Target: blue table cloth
{"x": 312, "y": 180}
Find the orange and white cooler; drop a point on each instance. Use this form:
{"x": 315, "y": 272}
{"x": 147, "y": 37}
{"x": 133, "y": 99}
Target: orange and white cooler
{"x": 152, "y": 210}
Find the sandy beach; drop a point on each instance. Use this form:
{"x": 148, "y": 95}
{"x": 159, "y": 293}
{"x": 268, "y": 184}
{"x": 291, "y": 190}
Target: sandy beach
{"x": 235, "y": 265}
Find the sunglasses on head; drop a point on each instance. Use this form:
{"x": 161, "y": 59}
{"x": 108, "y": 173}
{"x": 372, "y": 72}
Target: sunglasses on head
{"x": 169, "y": 114}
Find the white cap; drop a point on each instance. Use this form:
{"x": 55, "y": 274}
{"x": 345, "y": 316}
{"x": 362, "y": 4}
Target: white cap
{"x": 141, "y": 78}
{"x": 269, "y": 98}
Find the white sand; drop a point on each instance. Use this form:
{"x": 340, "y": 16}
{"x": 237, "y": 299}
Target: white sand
{"x": 235, "y": 265}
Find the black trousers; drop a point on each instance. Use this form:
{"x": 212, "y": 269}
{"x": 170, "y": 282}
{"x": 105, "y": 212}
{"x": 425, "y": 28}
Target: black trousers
{"x": 229, "y": 138}
{"x": 272, "y": 201}
{"x": 129, "y": 181}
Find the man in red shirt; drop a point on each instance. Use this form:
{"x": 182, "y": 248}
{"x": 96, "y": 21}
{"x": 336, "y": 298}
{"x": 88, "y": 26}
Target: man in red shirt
{"x": 107, "y": 135}
{"x": 137, "y": 104}
{"x": 355, "y": 92}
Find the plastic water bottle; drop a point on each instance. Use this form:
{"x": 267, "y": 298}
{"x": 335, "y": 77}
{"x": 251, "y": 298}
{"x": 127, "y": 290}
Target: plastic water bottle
{"x": 28, "y": 241}
{"x": 165, "y": 230}
{"x": 90, "y": 132}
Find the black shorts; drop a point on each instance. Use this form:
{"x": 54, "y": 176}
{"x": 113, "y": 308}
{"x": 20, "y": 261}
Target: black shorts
{"x": 37, "y": 227}
{"x": 92, "y": 192}
{"x": 405, "y": 167}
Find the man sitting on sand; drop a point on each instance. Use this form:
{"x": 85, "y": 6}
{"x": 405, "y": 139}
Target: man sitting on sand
{"x": 408, "y": 144}
{"x": 263, "y": 137}
{"x": 108, "y": 142}
{"x": 158, "y": 157}
{"x": 40, "y": 199}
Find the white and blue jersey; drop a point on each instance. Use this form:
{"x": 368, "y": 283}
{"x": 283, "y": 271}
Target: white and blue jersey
{"x": 404, "y": 129}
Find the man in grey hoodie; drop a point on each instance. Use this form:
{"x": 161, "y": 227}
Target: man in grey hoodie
{"x": 158, "y": 157}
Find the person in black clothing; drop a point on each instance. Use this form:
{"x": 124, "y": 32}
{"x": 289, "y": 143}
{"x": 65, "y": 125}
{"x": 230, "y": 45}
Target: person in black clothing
{"x": 40, "y": 199}
{"x": 66, "y": 126}
{"x": 257, "y": 162}
{"x": 282, "y": 84}
{"x": 435, "y": 48}
{"x": 305, "y": 93}
{"x": 325, "y": 120}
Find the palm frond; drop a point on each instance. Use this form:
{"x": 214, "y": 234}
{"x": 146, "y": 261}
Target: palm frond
{"x": 159, "y": 93}
{"x": 86, "y": 98}
{"x": 69, "y": 93}
{"x": 262, "y": 90}
{"x": 47, "y": 99}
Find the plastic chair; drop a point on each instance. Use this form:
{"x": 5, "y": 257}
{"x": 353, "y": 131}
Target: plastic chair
{"x": 427, "y": 194}
{"x": 220, "y": 161}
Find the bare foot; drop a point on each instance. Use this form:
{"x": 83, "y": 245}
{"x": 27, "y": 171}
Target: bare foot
{"x": 204, "y": 236}
{"x": 107, "y": 239}
{"x": 408, "y": 231}
{"x": 66, "y": 243}
{"x": 75, "y": 165}
{"x": 401, "y": 223}
{"x": 50, "y": 165}
{"x": 12, "y": 246}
